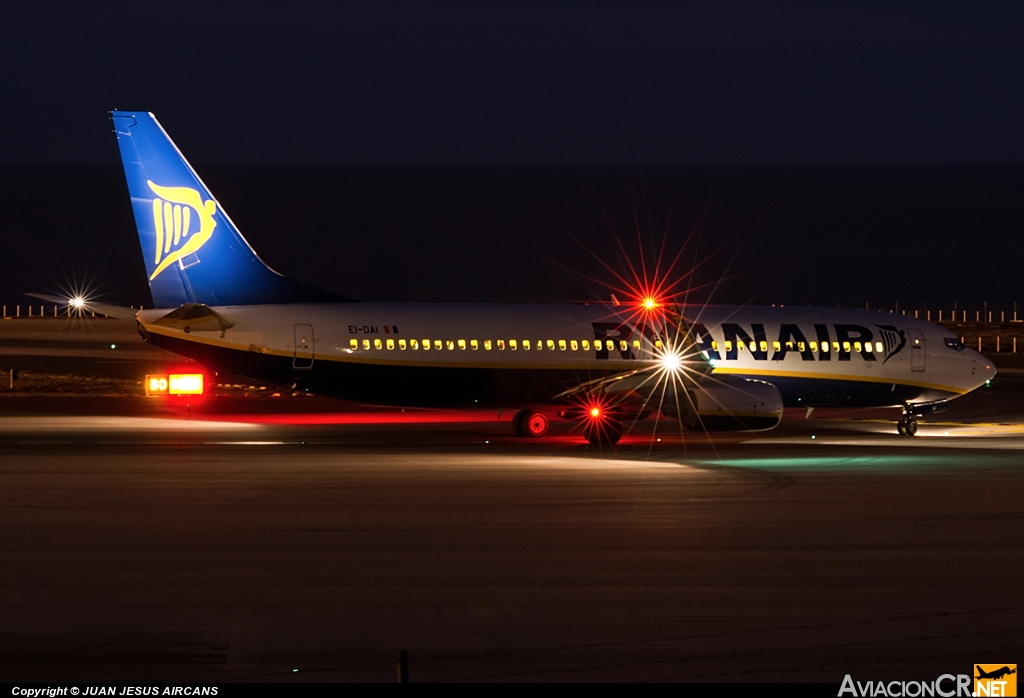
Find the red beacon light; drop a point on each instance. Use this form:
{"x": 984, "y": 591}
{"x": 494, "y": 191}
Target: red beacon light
{"x": 595, "y": 412}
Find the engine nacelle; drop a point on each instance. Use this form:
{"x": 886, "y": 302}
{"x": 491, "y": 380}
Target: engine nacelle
{"x": 726, "y": 403}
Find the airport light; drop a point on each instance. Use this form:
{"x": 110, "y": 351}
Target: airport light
{"x": 78, "y": 302}
{"x": 185, "y": 384}
{"x": 595, "y": 412}
{"x": 175, "y": 384}
{"x": 156, "y": 385}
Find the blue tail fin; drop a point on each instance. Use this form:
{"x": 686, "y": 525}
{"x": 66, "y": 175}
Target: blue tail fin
{"x": 193, "y": 252}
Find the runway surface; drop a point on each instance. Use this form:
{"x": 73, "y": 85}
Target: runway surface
{"x": 210, "y": 548}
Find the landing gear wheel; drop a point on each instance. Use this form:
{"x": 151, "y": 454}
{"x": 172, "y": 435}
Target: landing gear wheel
{"x": 530, "y": 423}
{"x": 606, "y": 432}
{"x": 907, "y": 426}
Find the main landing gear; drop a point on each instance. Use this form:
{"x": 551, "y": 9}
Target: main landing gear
{"x": 530, "y": 423}
{"x": 602, "y": 431}
{"x": 907, "y": 426}
{"x": 599, "y": 429}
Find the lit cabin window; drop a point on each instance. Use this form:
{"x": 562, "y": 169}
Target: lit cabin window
{"x": 609, "y": 345}
{"x": 728, "y": 345}
{"x": 764, "y": 345}
{"x": 377, "y": 344}
{"x": 879, "y": 347}
{"x": 487, "y": 345}
{"x": 636, "y": 344}
{"x": 511, "y": 344}
{"x": 414, "y": 343}
{"x": 835, "y": 346}
{"x": 401, "y": 344}
{"x": 824, "y": 347}
{"x": 714, "y": 346}
{"x": 561, "y": 345}
{"x": 813, "y": 346}
{"x": 740, "y": 345}
{"x": 526, "y": 345}
{"x": 574, "y": 345}
{"x": 462, "y": 345}
{"x": 623, "y": 345}
{"x": 801, "y": 347}
{"x": 474, "y": 345}
{"x": 586, "y": 345}
{"x": 390, "y": 344}
{"x": 540, "y": 344}
{"x": 789, "y": 346}
{"x": 856, "y": 347}
{"x": 658, "y": 344}
{"x": 450, "y": 343}
{"x": 438, "y": 344}
{"x": 846, "y": 346}
{"x": 550, "y": 344}
{"x": 777, "y": 346}
{"x": 353, "y": 344}
{"x": 426, "y": 345}
{"x": 366, "y": 345}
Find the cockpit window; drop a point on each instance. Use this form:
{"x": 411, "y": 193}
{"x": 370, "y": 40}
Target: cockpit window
{"x": 954, "y": 343}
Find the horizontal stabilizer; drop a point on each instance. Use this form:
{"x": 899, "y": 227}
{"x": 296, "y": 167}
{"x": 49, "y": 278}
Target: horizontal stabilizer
{"x": 115, "y": 311}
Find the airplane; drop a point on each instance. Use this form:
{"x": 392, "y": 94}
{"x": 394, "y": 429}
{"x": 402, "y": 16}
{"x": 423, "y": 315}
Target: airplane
{"x": 599, "y": 364}
{"x": 995, "y": 674}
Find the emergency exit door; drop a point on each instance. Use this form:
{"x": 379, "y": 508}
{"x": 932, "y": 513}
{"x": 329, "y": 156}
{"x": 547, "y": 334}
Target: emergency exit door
{"x": 917, "y": 349}
{"x": 304, "y": 347}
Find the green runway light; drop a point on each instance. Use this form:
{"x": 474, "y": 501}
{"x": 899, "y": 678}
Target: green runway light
{"x": 886, "y": 463}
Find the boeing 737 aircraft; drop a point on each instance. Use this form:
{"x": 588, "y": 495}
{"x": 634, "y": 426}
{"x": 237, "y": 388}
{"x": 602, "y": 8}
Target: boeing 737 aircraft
{"x": 709, "y": 367}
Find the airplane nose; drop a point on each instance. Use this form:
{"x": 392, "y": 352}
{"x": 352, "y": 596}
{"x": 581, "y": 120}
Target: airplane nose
{"x": 987, "y": 369}
{"x": 982, "y": 368}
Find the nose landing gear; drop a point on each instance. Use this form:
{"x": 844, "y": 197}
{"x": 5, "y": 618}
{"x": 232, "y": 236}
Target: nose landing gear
{"x": 907, "y": 426}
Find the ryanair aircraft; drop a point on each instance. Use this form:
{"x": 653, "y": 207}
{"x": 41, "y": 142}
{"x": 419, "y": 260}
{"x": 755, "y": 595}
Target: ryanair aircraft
{"x": 709, "y": 367}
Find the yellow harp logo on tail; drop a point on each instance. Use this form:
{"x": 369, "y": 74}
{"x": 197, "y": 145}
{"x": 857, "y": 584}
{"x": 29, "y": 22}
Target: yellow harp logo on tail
{"x": 173, "y": 209}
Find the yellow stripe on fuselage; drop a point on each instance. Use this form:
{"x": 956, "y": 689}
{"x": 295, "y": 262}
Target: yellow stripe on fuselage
{"x": 768, "y": 373}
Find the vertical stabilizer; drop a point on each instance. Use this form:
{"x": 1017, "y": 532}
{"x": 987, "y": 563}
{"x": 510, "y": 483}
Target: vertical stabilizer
{"x": 193, "y": 252}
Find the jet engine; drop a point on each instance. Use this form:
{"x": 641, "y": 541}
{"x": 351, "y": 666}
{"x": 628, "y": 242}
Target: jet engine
{"x": 726, "y": 403}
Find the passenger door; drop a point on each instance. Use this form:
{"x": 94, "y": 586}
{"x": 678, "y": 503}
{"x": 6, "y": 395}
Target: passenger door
{"x": 918, "y": 355}
{"x": 304, "y": 347}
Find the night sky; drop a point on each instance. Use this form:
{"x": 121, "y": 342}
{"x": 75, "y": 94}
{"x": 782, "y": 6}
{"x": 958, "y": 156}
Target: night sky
{"x": 419, "y": 142}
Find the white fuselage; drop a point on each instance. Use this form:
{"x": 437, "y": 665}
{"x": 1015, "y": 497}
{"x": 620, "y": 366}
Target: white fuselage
{"x": 815, "y": 356}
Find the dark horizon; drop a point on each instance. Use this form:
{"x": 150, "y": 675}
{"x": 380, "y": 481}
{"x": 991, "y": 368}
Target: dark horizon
{"x": 821, "y": 234}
